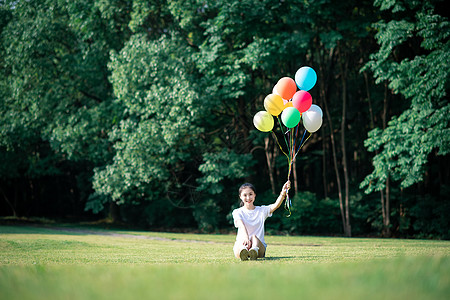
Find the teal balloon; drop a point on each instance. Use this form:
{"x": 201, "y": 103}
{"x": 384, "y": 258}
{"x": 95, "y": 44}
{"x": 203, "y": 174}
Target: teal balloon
{"x": 290, "y": 117}
{"x": 305, "y": 78}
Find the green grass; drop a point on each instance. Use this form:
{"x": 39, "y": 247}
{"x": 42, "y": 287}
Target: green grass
{"x": 44, "y": 263}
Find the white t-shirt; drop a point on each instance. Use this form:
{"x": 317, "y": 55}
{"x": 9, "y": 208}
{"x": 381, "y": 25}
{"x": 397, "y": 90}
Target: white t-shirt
{"x": 253, "y": 221}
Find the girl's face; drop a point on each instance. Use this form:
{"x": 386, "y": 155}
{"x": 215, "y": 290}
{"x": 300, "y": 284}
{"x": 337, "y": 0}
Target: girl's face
{"x": 248, "y": 197}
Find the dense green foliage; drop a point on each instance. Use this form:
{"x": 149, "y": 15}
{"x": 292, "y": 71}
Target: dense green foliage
{"x": 142, "y": 111}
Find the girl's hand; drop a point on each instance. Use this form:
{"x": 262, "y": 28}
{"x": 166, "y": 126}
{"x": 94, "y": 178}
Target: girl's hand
{"x": 286, "y": 186}
{"x": 247, "y": 244}
{"x": 281, "y": 197}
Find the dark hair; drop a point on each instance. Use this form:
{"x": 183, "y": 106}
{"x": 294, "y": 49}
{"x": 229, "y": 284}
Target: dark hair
{"x": 246, "y": 185}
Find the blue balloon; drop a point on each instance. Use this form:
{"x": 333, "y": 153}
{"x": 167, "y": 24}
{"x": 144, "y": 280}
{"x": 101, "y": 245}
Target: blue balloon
{"x": 305, "y": 78}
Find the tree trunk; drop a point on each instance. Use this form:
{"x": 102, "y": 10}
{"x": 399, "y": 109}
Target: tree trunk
{"x": 383, "y": 210}
{"x": 33, "y": 204}
{"x": 387, "y": 219}
{"x": 9, "y": 203}
{"x": 324, "y": 167}
{"x": 347, "y": 227}
{"x": 336, "y": 169}
{"x": 270, "y": 162}
{"x": 372, "y": 120}
{"x": 386, "y": 216}
{"x": 113, "y": 214}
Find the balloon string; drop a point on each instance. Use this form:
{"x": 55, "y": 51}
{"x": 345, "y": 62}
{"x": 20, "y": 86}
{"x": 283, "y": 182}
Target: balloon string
{"x": 303, "y": 137}
{"x": 276, "y": 139}
{"x": 282, "y": 130}
{"x": 291, "y": 145}
{"x": 291, "y": 159}
{"x": 291, "y": 152}
{"x": 288, "y": 204}
{"x": 302, "y": 143}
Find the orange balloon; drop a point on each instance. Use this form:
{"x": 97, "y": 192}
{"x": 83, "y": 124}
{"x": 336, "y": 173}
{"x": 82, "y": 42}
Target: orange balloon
{"x": 286, "y": 87}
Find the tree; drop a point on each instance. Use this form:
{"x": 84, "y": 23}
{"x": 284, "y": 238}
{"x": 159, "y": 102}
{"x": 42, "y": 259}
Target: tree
{"x": 56, "y": 104}
{"x": 158, "y": 132}
{"x": 413, "y": 59}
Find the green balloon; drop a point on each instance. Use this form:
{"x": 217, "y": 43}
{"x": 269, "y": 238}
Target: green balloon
{"x": 290, "y": 117}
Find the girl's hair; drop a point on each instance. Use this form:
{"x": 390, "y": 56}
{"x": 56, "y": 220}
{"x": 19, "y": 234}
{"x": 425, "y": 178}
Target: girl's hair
{"x": 246, "y": 185}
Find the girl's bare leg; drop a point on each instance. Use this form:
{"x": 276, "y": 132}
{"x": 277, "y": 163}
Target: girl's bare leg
{"x": 257, "y": 243}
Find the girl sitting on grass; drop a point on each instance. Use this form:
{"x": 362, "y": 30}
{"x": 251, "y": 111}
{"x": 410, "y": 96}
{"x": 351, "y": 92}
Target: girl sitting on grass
{"x": 249, "y": 220}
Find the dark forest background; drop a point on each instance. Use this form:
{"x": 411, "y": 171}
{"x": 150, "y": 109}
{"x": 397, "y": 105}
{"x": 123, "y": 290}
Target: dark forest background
{"x": 140, "y": 112}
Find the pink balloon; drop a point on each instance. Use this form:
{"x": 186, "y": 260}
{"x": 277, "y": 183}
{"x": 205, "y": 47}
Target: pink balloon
{"x": 302, "y": 101}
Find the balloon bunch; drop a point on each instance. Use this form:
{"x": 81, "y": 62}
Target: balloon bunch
{"x": 292, "y": 106}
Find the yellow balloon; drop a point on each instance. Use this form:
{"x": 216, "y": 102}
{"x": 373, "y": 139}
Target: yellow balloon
{"x": 274, "y": 104}
{"x": 263, "y": 121}
{"x": 288, "y": 104}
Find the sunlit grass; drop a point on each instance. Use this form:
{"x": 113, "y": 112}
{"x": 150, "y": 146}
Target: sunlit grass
{"x": 43, "y": 263}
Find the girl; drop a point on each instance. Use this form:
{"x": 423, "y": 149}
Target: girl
{"x": 249, "y": 220}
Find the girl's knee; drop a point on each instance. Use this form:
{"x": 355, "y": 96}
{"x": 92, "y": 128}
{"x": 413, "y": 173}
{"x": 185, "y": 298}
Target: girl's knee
{"x": 256, "y": 241}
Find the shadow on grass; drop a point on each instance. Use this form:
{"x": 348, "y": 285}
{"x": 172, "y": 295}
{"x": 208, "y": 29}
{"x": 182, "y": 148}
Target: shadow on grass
{"x": 270, "y": 258}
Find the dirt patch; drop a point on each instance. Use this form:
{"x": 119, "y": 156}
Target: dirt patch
{"x": 126, "y": 235}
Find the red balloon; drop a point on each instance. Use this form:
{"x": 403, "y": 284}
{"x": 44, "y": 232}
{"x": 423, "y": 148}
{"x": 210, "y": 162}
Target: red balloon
{"x": 286, "y": 87}
{"x": 302, "y": 101}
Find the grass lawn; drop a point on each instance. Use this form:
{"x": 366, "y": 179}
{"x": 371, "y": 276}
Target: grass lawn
{"x": 71, "y": 263}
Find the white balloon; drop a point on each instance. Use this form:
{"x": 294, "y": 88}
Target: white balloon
{"x": 274, "y": 90}
{"x": 312, "y": 120}
{"x": 316, "y": 108}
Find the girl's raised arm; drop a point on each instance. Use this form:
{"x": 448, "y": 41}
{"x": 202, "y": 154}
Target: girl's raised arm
{"x": 277, "y": 203}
